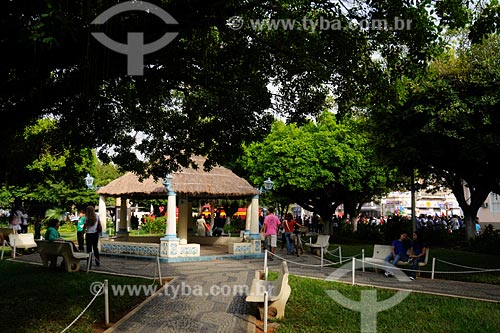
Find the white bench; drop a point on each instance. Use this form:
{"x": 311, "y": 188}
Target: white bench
{"x": 322, "y": 242}
{"x": 278, "y": 293}
{"x": 380, "y": 252}
{"x": 49, "y": 251}
{"x": 20, "y": 241}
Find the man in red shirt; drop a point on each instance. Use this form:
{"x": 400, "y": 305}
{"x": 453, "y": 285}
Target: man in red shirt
{"x": 270, "y": 228}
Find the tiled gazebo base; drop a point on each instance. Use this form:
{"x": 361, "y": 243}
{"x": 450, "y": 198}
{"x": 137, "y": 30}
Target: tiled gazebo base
{"x": 173, "y": 252}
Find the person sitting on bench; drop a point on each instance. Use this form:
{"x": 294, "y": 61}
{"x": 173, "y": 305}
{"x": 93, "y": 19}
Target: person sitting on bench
{"x": 52, "y": 234}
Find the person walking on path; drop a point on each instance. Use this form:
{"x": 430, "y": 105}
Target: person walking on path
{"x": 289, "y": 225}
{"x": 270, "y": 229}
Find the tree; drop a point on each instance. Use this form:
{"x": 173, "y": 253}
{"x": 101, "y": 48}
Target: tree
{"x": 207, "y": 91}
{"x": 318, "y": 165}
{"x": 448, "y": 124}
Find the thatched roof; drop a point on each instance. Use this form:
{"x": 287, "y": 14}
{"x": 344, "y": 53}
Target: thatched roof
{"x": 196, "y": 183}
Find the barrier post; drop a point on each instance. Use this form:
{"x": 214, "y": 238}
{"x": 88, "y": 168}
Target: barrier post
{"x": 265, "y": 310}
{"x": 433, "y": 267}
{"x": 353, "y": 269}
{"x": 265, "y": 264}
{"x": 322, "y": 258}
{"x": 3, "y": 247}
{"x": 340, "y": 255}
{"x": 106, "y": 302}
{"x": 363, "y": 259}
{"x": 89, "y": 262}
{"x": 14, "y": 248}
{"x": 159, "y": 270}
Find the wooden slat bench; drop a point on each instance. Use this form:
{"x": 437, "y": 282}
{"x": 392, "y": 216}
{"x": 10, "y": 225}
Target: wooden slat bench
{"x": 278, "y": 293}
{"x": 50, "y": 251}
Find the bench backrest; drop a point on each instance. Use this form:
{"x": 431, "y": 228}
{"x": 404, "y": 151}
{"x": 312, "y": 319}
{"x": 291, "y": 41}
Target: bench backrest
{"x": 323, "y": 240}
{"x": 20, "y": 240}
{"x": 54, "y": 248}
{"x": 282, "y": 278}
{"x": 381, "y": 251}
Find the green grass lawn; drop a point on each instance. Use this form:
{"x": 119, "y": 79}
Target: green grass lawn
{"x": 310, "y": 309}
{"x": 35, "y": 299}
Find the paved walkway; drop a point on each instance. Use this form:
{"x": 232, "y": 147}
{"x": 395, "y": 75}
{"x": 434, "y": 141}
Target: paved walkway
{"x": 200, "y": 296}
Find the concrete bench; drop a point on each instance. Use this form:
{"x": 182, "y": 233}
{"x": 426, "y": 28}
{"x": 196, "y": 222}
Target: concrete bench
{"x": 50, "y": 251}
{"x": 20, "y": 241}
{"x": 382, "y": 251}
{"x": 322, "y": 242}
{"x": 278, "y": 293}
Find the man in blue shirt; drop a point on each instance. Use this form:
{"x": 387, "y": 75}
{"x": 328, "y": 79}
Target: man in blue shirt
{"x": 398, "y": 252}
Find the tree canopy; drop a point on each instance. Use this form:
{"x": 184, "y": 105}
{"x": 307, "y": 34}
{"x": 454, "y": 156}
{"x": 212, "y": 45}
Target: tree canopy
{"x": 319, "y": 165}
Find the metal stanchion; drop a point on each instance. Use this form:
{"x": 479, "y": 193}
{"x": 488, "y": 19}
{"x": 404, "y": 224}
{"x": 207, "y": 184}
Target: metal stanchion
{"x": 265, "y": 264}
{"x": 106, "y": 302}
{"x": 159, "y": 270}
{"x": 433, "y": 267}
{"x": 340, "y": 255}
{"x": 266, "y": 295}
{"x": 3, "y": 247}
{"x": 322, "y": 258}
{"x": 363, "y": 259}
{"x": 89, "y": 261}
{"x": 353, "y": 269}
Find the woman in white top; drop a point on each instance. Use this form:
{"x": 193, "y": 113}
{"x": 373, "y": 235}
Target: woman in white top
{"x": 93, "y": 229}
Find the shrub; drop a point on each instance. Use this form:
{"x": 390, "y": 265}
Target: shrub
{"x": 487, "y": 242}
{"x": 154, "y": 226}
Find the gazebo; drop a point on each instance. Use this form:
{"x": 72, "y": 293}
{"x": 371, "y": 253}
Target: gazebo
{"x": 180, "y": 188}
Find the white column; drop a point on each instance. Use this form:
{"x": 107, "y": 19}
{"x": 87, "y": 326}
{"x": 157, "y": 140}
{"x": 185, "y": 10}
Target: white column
{"x": 184, "y": 215}
{"x": 171, "y": 232}
{"x": 254, "y": 225}
{"x": 102, "y": 215}
{"x": 248, "y": 219}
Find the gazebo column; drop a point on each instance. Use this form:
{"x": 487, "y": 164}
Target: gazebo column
{"x": 183, "y": 219}
{"x": 254, "y": 216}
{"x": 123, "y": 226}
{"x": 248, "y": 220}
{"x": 169, "y": 244}
{"x": 102, "y": 215}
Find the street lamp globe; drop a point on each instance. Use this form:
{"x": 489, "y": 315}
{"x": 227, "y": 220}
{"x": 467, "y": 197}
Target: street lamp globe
{"x": 89, "y": 181}
{"x": 268, "y": 184}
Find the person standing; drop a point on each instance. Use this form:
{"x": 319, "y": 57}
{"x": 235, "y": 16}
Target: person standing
{"x": 24, "y": 221}
{"x": 93, "y": 228}
{"x": 270, "y": 229}
{"x": 15, "y": 220}
{"x": 289, "y": 225}
{"x": 80, "y": 229}
{"x": 201, "y": 226}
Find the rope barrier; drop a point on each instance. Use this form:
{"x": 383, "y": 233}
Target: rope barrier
{"x": 476, "y": 268}
{"x": 86, "y": 308}
{"x": 298, "y": 263}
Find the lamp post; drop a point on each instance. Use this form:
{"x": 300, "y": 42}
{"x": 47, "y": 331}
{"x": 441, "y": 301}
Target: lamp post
{"x": 170, "y": 230}
{"x": 89, "y": 182}
{"x": 254, "y": 223}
